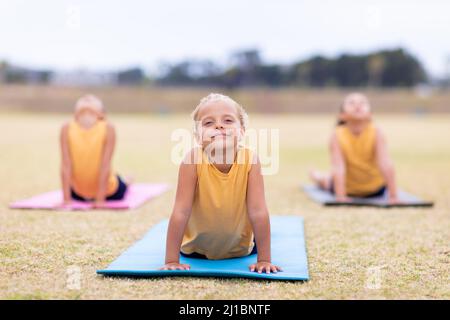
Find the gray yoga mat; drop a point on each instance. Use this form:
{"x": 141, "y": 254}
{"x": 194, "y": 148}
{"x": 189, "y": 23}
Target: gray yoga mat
{"x": 328, "y": 199}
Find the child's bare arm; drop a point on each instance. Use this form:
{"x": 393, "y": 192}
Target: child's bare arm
{"x": 105, "y": 167}
{"x": 187, "y": 180}
{"x": 259, "y": 218}
{"x": 338, "y": 169}
{"x": 66, "y": 166}
{"x": 385, "y": 165}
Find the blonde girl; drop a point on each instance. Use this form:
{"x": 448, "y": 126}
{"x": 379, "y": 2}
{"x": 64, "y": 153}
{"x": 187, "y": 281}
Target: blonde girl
{"x": 220, "y": 210}
{"x": 361, "y": 166}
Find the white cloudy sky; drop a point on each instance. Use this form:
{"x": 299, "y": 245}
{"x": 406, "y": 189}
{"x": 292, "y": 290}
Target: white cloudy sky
{"x": 105, "y": 34}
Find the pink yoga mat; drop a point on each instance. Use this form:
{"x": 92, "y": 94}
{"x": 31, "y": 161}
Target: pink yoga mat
{"x": 136, "y": 195}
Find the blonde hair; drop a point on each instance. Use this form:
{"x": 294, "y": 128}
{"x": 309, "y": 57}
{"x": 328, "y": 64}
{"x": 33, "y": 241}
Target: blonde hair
{"x": 89, "y": 101}
{"x": 217, "y": 97}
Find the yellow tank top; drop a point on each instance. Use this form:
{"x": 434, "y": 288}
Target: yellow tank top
{"x": 86, "y": 151}
{"x": 363, "y": 176}
{"x": 219, "y": 226}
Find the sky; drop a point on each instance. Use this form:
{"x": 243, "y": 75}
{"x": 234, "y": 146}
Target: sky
{"x": 115, "y": 34}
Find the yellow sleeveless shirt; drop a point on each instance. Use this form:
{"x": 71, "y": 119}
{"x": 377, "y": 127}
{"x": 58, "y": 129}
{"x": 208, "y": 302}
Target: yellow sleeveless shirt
{"x": 362, "y": 176}
{"x": 219, "y": 226}
{"x": 86, "y": 151}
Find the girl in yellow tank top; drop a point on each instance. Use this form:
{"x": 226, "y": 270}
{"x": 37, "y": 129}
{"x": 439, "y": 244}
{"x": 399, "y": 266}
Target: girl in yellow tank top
{"x": 361, "y": 166}
{"x": 220, "y": 210}
{"x": 87, "y": 145}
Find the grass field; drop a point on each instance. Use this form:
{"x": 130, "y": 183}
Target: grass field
{"x": 35, "y": 98}
{"x": 409, "y": 247}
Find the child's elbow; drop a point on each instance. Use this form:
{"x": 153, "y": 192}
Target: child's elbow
{"x": 390, "y": 169}
{"x": 65, "y": 168}
{"x": 387, "y": 167}
{"x": 181, "y": 214}
{"x": 256, "y": 213}
{"x": 338, "y": 170}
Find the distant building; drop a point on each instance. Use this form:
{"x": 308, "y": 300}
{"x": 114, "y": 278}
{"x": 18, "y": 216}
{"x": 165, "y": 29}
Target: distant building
{"x": 134, "y": 76}
{"x": 83, "y": 78}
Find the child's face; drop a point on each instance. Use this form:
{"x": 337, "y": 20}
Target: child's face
{"x": 356, "y": 107}
{"x": 87, "y": 117}
{"x": 219, "y": 125}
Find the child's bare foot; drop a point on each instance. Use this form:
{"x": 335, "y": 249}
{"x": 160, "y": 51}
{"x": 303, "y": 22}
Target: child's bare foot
{"x": 321, "y": 179}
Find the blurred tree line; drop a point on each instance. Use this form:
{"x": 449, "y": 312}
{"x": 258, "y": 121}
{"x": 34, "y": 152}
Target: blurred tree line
{"x": 387, "y": 68}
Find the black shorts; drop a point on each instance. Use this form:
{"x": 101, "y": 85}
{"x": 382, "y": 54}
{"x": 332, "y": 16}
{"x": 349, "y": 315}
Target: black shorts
{"x": 201, "y": 256}
{"x": 377, "y": 193}
{"x": 118, "y": 195}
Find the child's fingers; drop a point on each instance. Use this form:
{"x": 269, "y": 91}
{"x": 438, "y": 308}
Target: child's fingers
{"x": 182, "y": 267}
{"x": 266, "y": 268}
{"x": 176, "y": 267}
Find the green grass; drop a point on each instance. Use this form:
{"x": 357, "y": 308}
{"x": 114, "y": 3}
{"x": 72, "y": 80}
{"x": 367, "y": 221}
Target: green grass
{"x": 410, "y": 246}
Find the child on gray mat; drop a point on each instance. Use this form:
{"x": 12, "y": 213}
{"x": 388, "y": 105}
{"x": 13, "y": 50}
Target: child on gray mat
{"x": 220, "y": 211}
{"x": 361, "y": 166}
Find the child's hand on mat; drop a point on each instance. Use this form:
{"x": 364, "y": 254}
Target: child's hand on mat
{"x": 175, "y": 266}
{"x": 65, "y": 204}
{"x": 99, "y": 204}
{"x": 394, "y": 200}
{"x": 264, "y": 266}
{"x": 342, "y": 199}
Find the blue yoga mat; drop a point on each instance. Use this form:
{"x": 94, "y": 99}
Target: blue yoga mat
{"x": 145, "y": 257}
{"x": 328, "y": 199}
